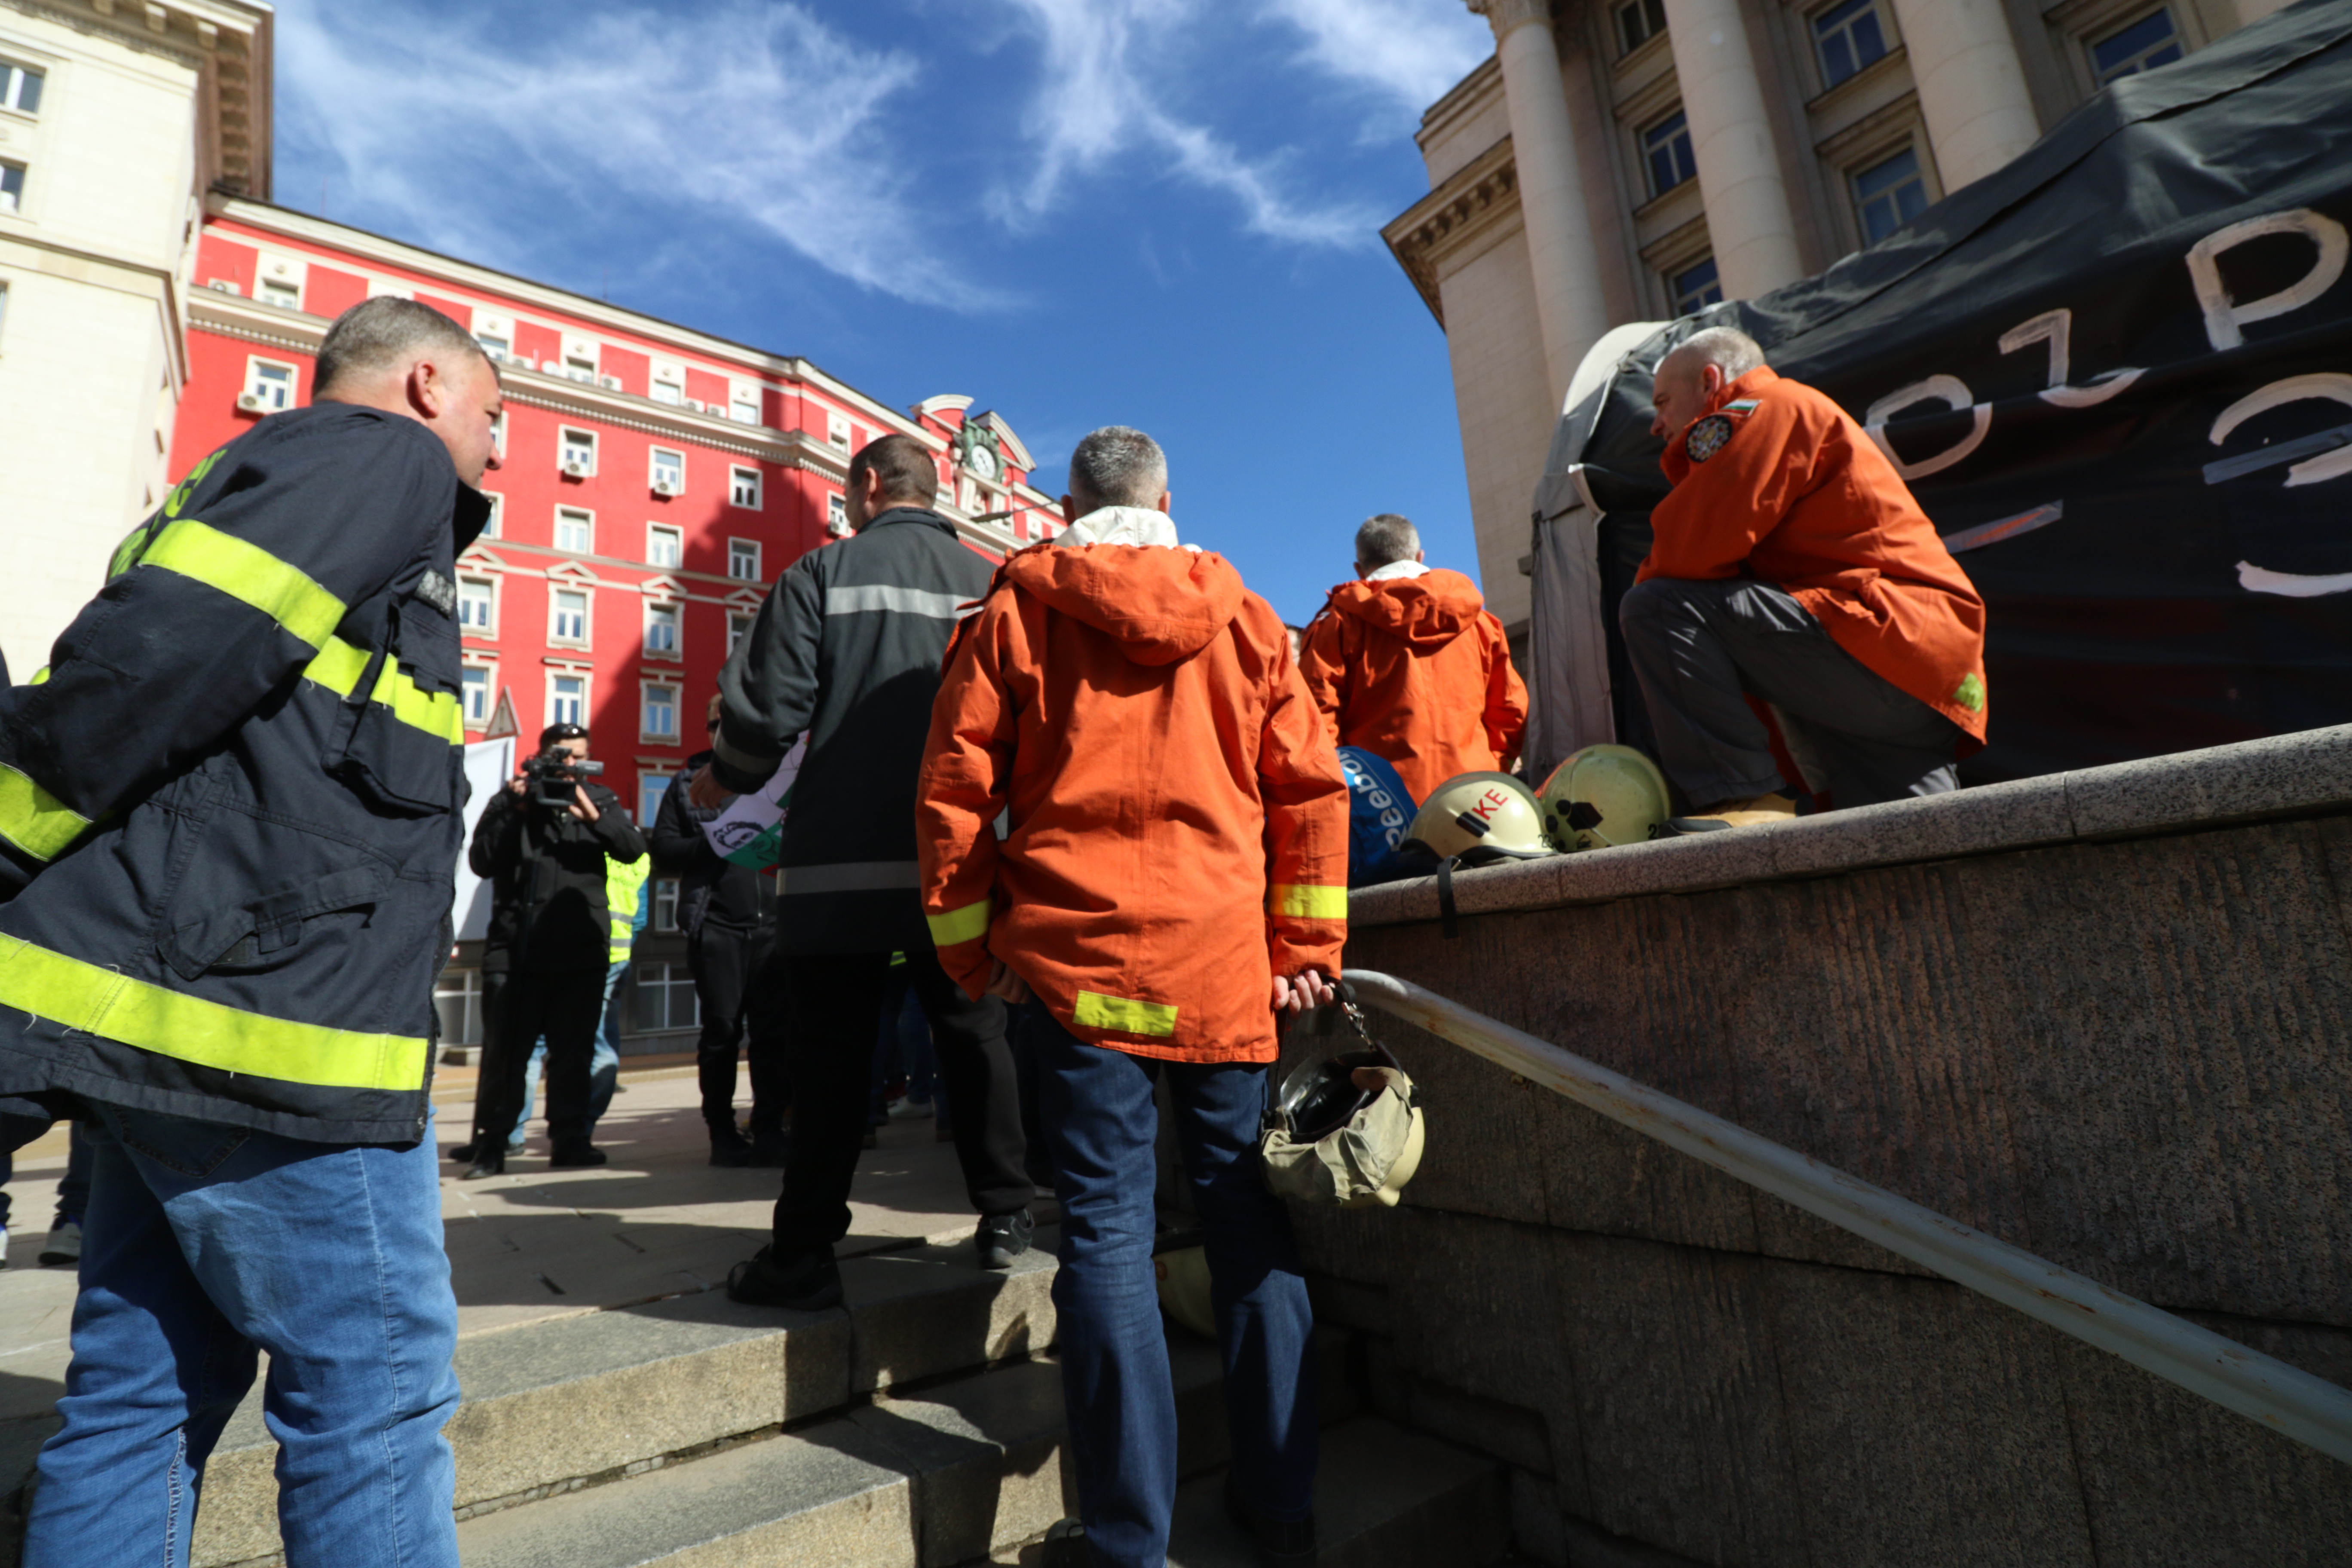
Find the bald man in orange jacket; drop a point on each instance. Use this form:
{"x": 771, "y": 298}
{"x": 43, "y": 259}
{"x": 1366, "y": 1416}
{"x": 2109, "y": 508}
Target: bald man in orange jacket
{"x": 1791, "y": 562}
{"x": 1408, "y": 663}
{"x": 1173, "y": 878}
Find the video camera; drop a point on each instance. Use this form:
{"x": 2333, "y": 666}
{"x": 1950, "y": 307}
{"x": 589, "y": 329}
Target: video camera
{"x": 555, "y": 774}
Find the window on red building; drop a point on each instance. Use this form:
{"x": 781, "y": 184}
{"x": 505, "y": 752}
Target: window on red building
{"x": 659, "y": 721}
{"x": 567, "y": 620}
{"x": 836, "y": 430}
{"x": 663, "y": 546}
{"x": 268, "y": 387}
{"x": 743, "y": 558}
{"x": 475, "y": 679}
{"x": 575, "y": 529}
{"x": 567, "y": 699}
{"x": 497, "y": 513}
{"x": 666, "y": 474}
{"x": 743, "y": 487}
{"x": 578, "y": 453}
{"x": 476, "y": 603}
{"x": 837, "y": 516}
{"x": 662, "y": 630}
{"x": 736, "y": 626}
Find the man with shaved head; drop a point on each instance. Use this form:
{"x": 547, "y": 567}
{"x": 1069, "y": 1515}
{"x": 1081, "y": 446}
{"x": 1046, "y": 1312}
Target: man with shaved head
{"x": 1791, "y": 564}
{"x": 235, "y": 824}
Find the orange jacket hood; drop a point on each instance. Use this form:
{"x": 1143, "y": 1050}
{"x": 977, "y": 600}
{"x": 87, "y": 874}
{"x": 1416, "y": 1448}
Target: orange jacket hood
{"x": 1160, "y": 604}
{"x": 1425, "y": 612}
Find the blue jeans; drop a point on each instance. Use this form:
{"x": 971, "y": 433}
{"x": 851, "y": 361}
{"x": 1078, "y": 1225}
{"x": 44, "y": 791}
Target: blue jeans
{"x": 603, "y": 1064}
{"x": 1099, "y": 1119}
{"x": 204, "y": 1243}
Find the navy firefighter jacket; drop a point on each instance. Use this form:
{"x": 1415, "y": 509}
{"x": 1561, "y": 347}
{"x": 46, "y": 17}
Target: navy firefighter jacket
{"x": 232, "y": 802}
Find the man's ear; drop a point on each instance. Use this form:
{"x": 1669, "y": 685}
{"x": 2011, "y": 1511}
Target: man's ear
{"x": 1420, "y": 557}
{"x": 1161, "y": 504}
{"x": 428, "y": 393}
{"x": 1711, "y": 378}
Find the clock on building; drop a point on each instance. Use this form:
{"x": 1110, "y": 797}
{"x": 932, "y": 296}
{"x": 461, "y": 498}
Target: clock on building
{"x": 980, "y": 453}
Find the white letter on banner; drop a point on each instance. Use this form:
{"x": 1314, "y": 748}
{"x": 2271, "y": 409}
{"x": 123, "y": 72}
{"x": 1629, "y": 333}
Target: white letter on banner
{"x": 2223, "y": 315}
{"x": 2325, "y": 385}
{"x": 2055, "y": 327}
{"x": 1948, "y": 390}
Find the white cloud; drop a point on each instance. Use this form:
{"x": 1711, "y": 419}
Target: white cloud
{"x": 1098, "y": 104}
{"x": 1409, "y": 51}
{"x": 757, "y": 111}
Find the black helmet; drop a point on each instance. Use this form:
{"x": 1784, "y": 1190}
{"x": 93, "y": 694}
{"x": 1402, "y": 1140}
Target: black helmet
{"x": 1321, "y": 1096}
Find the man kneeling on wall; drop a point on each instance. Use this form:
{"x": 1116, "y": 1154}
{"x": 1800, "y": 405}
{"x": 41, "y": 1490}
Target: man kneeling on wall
{"x": 1791, "y": 562}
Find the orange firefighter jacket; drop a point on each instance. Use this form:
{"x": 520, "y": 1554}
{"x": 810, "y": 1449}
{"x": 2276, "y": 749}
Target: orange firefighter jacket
{"x": 1415, "y": 670}
{"x": 1179, "y": 821}
{"x": 1775, "y": 481}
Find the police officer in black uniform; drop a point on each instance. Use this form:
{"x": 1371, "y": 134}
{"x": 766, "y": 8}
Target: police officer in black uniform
{"x": 729, "y": 915}
{"x": 231, "y": 805}
{"x": 543, "y": 965}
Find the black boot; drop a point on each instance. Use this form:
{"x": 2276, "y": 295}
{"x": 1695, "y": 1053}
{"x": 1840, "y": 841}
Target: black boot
{"x": 490, "y": 1165}
{"x": 728, "y": 1148}
{"x": 582, "y": 1155}
{"x": 806, "y": 1284}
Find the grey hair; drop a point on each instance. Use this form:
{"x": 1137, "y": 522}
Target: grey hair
{"x": 1116, "y": 465}
{"x": 380, "y": 334}
{"x": 1727, "y": 348}
{"x": 1386, "y": 539}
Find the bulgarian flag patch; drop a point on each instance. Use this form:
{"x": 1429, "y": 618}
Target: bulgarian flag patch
{"x": 1741, "y": 406}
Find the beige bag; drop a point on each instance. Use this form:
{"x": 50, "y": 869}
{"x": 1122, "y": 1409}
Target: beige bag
{"x": 1366, "y": 1161}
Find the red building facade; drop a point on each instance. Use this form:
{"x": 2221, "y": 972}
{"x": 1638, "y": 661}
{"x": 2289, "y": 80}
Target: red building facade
{"x": 652, "y": 481}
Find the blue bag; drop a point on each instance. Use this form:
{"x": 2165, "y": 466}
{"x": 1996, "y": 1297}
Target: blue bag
{"x": 1379, "y": 814}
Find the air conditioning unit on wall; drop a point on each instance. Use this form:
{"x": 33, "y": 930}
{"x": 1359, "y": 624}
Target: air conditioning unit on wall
{"x": 665, "y": 487}
{"x": 249, "y": 402}
{"x": 573, "y": 468}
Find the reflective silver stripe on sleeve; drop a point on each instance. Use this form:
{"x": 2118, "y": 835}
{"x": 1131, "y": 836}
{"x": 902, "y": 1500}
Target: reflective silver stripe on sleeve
{"x": 851, "y": 876}
{"x": 888, "y": 596}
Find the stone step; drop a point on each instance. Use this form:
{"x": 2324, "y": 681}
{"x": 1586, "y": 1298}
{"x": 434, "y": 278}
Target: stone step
{"x": 894, "y": 1486}
{"x": 551, "y": 1404}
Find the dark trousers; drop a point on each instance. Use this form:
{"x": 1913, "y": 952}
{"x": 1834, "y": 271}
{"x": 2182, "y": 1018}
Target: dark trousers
{"x": 1100, "y": 1120}
{"x": 739, "y": 989}
{"x": 1698, "y": 646}
{"x": 519, "y": 1007}
{"x": 836, "y": 1001}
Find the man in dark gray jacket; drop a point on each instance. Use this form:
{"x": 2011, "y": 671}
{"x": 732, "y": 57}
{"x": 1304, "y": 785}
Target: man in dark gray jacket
{"x": 848, "y": 648}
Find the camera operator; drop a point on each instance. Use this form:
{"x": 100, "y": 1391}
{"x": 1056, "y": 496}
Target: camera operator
{"x": 542, "y": 844}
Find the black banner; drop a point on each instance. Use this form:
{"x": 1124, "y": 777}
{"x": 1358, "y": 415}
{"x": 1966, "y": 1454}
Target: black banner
{"x": 2118, "y": 376}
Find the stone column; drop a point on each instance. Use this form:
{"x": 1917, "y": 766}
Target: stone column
{"x": 1972, "y": 87}
{"x": 1748, "y": 214}
{"x": 1570, "y": 309}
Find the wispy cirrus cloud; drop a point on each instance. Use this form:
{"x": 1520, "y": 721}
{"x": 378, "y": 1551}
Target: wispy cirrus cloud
{"x": 752, "y": 114}
{"x": 1100, "y": 102}
{"x": 1408, "y": 52}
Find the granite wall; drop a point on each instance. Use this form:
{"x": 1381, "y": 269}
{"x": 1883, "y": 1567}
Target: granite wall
{"x": 2124, "y": 1049}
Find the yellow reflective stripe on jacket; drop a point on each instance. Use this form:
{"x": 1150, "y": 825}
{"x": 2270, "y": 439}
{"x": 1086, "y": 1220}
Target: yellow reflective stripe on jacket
{"x": 33, "y": 819}
{"x": 1307, "y": 901}
{"x": 115, "y": 1006}
{"x": 285, "y": 594}
{"x": 341, "y": 666}
{"x": 40, "y": 677}
{"x": 966, "y": 924}
{"x": 1095, "y": 1011}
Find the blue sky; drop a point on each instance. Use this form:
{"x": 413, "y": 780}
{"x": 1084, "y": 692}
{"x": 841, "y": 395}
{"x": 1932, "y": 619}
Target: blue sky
{"x": 1160, "y": 213}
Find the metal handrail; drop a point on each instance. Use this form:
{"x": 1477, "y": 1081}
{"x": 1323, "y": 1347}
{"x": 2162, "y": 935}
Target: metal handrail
{"x": 2286, "y": 1399}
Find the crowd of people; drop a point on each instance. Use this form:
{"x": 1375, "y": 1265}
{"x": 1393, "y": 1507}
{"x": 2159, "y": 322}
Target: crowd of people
{"x": 1085, "y": 819}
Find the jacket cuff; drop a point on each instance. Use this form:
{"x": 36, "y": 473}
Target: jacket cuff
{"x": 741, "y": 771}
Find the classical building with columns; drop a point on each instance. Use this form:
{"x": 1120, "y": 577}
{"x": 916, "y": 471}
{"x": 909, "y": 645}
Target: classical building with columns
{"x": 116, "y": 117}
{"x": 1635, "y": 159}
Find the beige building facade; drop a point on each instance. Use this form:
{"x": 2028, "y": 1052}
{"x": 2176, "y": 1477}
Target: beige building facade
{"x": 116, "y": 116}
{"x": 1627, "y": 161}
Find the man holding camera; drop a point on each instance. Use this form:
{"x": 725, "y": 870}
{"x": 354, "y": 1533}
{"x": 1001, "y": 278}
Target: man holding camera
{"x": 542, "y": 844}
